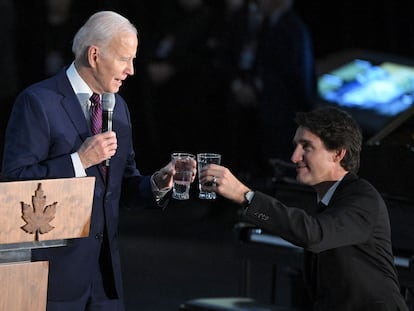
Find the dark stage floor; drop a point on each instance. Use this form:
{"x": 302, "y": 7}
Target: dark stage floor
{"x": 183, "y": 252}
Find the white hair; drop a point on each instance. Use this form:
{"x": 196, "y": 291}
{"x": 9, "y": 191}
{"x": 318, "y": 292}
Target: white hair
{"x": 99, "y": 30}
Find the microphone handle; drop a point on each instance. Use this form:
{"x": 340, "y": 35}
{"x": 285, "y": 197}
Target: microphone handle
{"x": 107, "y": 126}
{"x": 106, "y": 121}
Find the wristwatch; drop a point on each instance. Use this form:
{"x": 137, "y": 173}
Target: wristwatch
{"x": 248, "y": 197}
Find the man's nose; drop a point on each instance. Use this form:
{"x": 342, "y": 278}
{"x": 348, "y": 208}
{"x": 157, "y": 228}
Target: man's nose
{"x": 130, "y": 68}
{"x": 296, "y": 155}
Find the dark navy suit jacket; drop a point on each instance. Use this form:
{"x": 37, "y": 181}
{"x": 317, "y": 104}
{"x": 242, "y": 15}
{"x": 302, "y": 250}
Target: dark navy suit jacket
{"x": 46, "y": 125}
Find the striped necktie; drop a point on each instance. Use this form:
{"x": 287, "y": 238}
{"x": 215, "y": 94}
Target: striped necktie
{"x": 96, "y": 114}
{"x": 96, "y": 121}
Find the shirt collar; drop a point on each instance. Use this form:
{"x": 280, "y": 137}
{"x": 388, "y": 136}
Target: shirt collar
{"x": 79, "y": 86}
{"x": 328, "y": 195}
{"x": 82, "y": 90}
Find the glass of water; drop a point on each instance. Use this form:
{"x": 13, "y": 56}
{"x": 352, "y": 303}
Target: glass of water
{"x": 202, "y": 160}
{"x": 183, "y": 174}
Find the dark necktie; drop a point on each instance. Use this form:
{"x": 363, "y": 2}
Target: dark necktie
{"x": 96, "y": 114}
{"x": 96, "y": 120}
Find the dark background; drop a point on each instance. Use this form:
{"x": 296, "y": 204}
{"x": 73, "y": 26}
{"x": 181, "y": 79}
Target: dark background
{"x": 190, "y": 249}
{"x": 379, "y": 26}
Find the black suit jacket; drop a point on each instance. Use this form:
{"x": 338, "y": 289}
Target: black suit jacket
{"x": 46, "y": 125}
{"x": 349, "y": 261}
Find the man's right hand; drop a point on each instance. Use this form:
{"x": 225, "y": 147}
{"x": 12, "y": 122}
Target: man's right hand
{"x": 97, "y": 149}
{"x": 218, "y": 178}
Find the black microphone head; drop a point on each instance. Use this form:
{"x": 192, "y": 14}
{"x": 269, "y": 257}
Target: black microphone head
{"x": 108, "y": 101}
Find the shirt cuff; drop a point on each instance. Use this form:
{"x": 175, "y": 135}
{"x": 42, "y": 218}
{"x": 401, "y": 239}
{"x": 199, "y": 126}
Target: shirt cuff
{"x": 159, "y": 194}
{"x": 77, "y": 165}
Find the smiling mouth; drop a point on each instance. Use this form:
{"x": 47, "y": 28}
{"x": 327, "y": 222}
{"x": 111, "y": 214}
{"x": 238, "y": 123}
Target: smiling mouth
{"x": 302, "y": 166}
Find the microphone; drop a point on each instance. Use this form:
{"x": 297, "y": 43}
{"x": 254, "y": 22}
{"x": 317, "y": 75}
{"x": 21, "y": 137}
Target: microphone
{"x": 108, "y": 104}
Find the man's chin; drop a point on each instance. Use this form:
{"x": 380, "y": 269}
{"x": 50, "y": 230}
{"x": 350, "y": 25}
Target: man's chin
{"x": 304, "y": 181}
{"x": 300, "y": 178}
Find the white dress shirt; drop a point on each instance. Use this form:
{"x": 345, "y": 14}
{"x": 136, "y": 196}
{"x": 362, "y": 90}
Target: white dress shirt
{"x": 83, "y": 92}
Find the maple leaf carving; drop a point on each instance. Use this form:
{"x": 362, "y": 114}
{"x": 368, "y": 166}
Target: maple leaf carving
{"x": 38, "y": 217}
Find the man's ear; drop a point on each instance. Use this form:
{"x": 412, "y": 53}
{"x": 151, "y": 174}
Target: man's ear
{"x": 339, "y": 154}
{"x": 93, "y": 53}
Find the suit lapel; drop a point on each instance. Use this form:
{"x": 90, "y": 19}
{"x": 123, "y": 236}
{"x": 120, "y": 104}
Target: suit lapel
{"x": 348, "y": 178}
{"x": 71, "y": 105}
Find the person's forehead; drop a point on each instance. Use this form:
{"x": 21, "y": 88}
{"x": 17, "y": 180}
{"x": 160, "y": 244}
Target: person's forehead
{"x": 125, "y": 42}
{"x": 305, "y": 133}
{"x": 125, "y": 36}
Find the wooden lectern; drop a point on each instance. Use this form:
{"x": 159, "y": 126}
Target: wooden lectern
{"x": 37, "y": 214}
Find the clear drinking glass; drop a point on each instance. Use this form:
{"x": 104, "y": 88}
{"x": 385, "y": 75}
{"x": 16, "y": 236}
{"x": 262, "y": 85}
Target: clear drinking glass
{"x": 183, "y": 173}
{"x": 202, "y": 160}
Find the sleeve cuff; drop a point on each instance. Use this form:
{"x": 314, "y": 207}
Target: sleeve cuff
{"x": 77, "y": 165}
{"x": 159, "y": 194}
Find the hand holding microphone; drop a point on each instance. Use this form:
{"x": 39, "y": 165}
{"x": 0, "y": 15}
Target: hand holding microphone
{"x": 99, "y": 148}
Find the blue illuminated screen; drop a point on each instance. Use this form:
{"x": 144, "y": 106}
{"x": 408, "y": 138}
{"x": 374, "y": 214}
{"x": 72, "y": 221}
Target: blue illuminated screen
{"x": 378, "y": 93}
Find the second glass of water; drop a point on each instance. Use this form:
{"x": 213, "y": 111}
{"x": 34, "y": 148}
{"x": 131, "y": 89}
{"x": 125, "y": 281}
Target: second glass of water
{"x": 202, "y": 160}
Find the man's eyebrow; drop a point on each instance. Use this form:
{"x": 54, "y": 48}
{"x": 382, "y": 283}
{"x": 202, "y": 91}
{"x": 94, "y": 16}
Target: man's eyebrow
{"x": 302, "y": 141}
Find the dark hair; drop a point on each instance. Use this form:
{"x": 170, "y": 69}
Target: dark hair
{"x": 337, "y": 130}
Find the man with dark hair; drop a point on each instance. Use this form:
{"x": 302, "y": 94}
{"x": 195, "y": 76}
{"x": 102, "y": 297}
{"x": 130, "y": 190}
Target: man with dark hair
{"x": 348, "y": 252}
